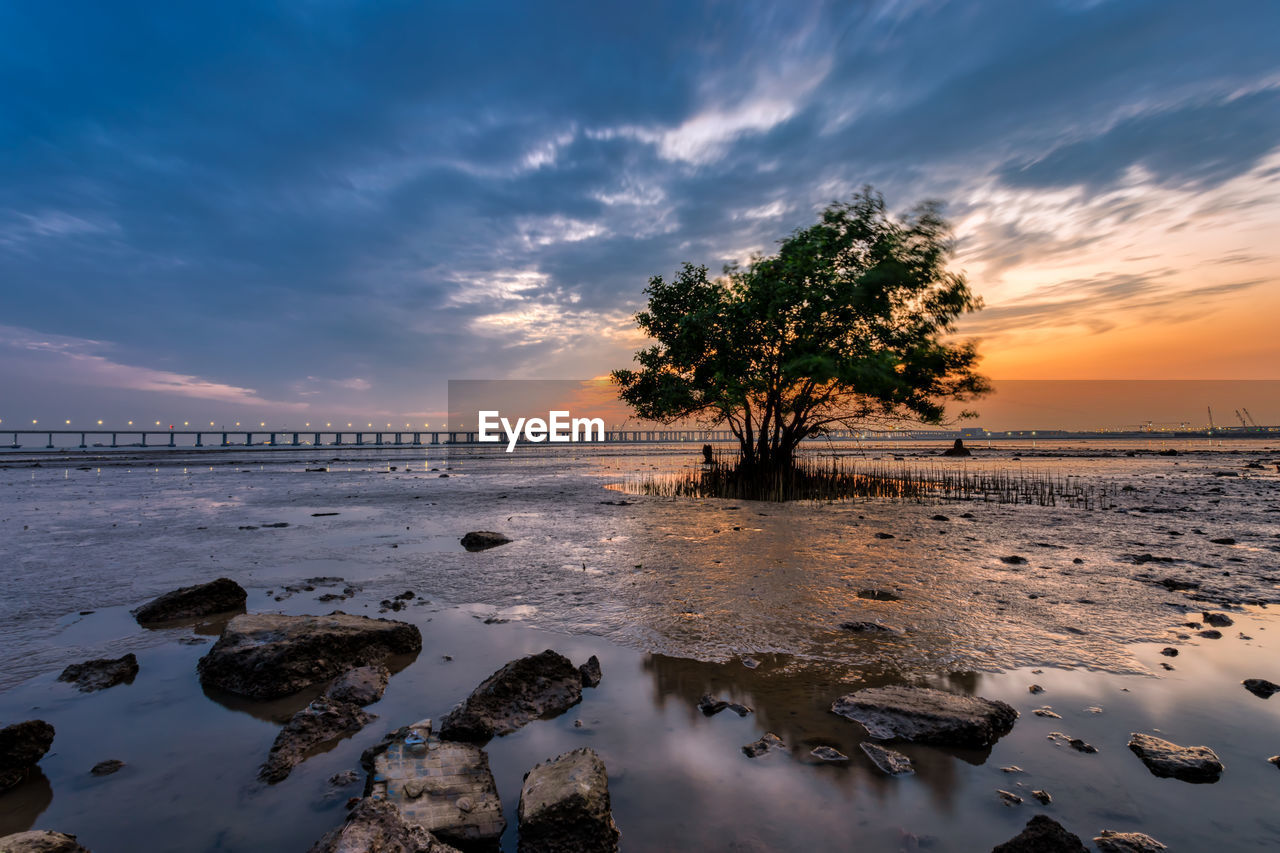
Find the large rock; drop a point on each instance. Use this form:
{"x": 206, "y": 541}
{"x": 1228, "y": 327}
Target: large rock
{"x": 524, "y": 690}
{"x": 564, "y": 806}
{"x": 1127, "y": 842}
{"x": 193, "y": 602}
{"x": 319, "y": 722}
{"x": 444, "y": 787}
{"x": 40, "y": 841}
{"x": 22, "y": 745}
{"x": 266, "y": 656}
{"x": 1042, "y": 835}
{"x": 363, "y": 685}
{"x": 376, "y": 825}
{"x": 1165, "y": 759}
{"x": 101, "y": 673}
{"x": 925, "y": 715}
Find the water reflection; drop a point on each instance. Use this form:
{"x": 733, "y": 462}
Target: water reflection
{"x": 22, "y": 805}
{"x": 792, "y": 698}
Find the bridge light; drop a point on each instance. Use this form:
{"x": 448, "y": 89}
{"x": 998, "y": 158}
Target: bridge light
{"x": 68, "y": 422}
{"x": 99, "y": 423}
{"x": 130, "y": 423}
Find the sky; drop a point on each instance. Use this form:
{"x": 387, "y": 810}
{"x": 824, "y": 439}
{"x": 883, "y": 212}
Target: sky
{"x": 314, "y": 211}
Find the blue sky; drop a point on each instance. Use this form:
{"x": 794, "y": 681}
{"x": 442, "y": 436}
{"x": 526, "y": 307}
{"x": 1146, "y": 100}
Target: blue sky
{"x": 303, "y": 211}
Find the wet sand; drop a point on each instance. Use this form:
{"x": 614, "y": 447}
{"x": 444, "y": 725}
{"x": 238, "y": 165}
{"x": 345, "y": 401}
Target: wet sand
{"x": 673, "y": 596}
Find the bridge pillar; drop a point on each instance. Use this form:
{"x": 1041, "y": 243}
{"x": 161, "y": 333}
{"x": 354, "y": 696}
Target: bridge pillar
{"x": 315, "y": 439}
{"x": 113, "y": 439}
{"x": 377, "y": 438}
{"x": 82, "y": 444}
{"x": 337, "y": 438}
{"x": 295, "y": 439}
{"x": 199, "y": 439}
{"x": 224, "y": 439}
{"x": 417, "y": 438}
{"x": 271, "y": 442}
{"x": 172, "y": 436}
{"x": 144, "y": 438}
{"x": 359, "y": 438}
{"x": 248, "y": 439}
{"x": 50, "y": 445}
{"x": 15, "y": 444}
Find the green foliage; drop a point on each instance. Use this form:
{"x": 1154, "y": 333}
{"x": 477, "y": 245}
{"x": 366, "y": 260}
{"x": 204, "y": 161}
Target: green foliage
{"x": 848, "y": 324}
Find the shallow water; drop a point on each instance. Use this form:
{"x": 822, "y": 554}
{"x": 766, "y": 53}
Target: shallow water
{"x": 672, "y": 595}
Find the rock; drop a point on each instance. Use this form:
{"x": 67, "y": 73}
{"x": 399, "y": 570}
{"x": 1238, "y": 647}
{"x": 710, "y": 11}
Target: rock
{"x": 883, "y": 535}
{"x": 1165, "y": 759}
{"x": 564, "y": 806}
{"x": 1127, "y": 842}
{"x": 1014, "y": 560}
{"x": 957, "y": 449}
{"x": 828, "y": 753}
{"x": 524, "y": 690}
{"x": 479, "y": 540}
{"x": 757, "y": 748}
{"x": 192, "y": 602}
{"x": 939, "y": 518}
{"x": 375, "y": 825}
{"x": 22, "y": 745}
{"x": 266, "y": 656}
{"x": 1217, "y": 620}
{"x": 887, "y": 760}
{"x": 361, "y": 686}
{"x": 1211, "y": 634}
{"x": 101, "y": 673}
{"x": 1009, "y": 798}
{"x": 320, "y": 721}
{"x": 867, "y": 627}
{"x": 40, "y": 841}
{"x": 878, "y": 595}
{"x": 710, "y": 706}
{"x": 1171, "y": 584}
{"x": 926, "y": 715}
{"x": 1035, "y": 688}
{"x": 739, "y": 709}
{"x": 443, "y": 786}
{"x": 591, "y": 673}
{"x": 1261, "y": 687}
{"x": 1169, "y": 652}
{"x": 1224, "y": 540}
{"x": 1042, "y": 797}
{"x": 1042, "y": 835}
{"x": 106, "y": 768}
{"x": 1275, "y": 759}
{"x": 344, "y": 778}
{"x": 1046, "y": 711}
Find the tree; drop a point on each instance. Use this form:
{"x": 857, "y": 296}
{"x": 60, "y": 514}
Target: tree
{"x": 849, "y": 324}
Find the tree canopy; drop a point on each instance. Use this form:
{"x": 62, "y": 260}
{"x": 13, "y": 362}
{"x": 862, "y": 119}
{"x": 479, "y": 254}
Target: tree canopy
{"x": 851, "y": 323}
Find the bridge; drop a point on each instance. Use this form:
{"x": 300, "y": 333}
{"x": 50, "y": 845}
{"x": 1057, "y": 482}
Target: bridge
{"x": 215, "y": 438}
{"x": 285, "y": 438}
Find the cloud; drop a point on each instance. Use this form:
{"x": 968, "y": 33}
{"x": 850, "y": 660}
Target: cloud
{"x": 76, "y": 362}
{"x": 357, "y": 191}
